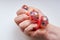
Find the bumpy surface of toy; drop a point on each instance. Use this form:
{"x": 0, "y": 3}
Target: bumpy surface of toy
{"x": 35, "y": 17}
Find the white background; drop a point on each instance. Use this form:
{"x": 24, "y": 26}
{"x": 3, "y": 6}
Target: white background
{"x": 10, "y": 31}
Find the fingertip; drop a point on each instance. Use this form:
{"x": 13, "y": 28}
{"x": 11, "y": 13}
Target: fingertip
{"x": 38, "y": 33}
{"x": 30, "y": 28}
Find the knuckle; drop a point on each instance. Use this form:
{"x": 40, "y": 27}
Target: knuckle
{"x": 20, "y": 18}
{"x": 18, "y": 12}
{"x": 21, "y": 11}
{"x": 15, "y": 19}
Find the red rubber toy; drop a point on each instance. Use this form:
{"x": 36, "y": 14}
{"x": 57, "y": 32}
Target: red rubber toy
{"x": 35, "y": 17}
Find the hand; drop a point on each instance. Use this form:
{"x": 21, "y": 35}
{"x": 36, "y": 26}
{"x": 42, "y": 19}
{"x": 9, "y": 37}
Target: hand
{"x": 22, "y": 20}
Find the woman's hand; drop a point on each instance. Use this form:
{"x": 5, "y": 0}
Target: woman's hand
{"x": 22, "y": 20}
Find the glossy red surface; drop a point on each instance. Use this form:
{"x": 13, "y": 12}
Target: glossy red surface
{"x": 41, "y": 21}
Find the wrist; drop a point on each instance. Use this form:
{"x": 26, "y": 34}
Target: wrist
{"x": 53, "y": 32}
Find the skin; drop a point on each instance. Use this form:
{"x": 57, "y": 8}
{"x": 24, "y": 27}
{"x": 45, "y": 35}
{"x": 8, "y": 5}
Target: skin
{"x": 51, "y": 32}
